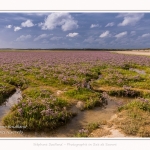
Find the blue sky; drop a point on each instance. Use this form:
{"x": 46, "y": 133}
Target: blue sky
{"x": 74, "y": 30}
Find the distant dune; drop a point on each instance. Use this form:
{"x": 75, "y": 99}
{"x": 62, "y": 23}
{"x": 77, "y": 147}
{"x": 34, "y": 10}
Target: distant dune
{"x": 135, "y": 52}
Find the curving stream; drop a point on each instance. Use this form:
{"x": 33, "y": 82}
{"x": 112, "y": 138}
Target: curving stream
{"x": 82, "y": 119}
{"x": 5, "y": 107}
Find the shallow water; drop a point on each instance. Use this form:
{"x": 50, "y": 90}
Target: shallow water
{"x": 5, "y": 107}
{"x": 82, "y": 119}
{"x": 85, "y": 117}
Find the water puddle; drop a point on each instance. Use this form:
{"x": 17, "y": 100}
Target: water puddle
{"x": 85, "y": 117}
{"x": 82, "y": 119}
{"x": 5, "y": 107}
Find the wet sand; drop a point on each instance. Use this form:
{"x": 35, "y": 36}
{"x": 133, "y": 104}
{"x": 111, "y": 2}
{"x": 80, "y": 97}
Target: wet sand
{"x": 82, "y": 119}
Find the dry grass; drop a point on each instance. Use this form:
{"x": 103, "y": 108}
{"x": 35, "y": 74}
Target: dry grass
{"x": 101, "y": 132}
{"x": 134, "y": 122}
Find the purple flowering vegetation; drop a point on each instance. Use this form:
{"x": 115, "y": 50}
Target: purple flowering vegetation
{"x": 52, "y": 82}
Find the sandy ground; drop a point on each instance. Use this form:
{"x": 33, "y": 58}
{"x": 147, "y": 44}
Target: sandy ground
{"x": 109, "y": 132}
{"x": 134, "y": 52}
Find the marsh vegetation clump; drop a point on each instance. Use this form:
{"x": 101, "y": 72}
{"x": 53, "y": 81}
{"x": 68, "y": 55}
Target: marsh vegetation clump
{"x": 38, "y": 110}
{"x": 134, "y": 118}
{"x": 54, "y": 82}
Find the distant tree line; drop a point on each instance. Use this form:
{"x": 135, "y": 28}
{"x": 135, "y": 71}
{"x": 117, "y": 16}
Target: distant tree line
{"x": 76, "y": 49}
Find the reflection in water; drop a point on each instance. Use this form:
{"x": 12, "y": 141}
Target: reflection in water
{"x": 85, "y": 117}
{"x": 82, "y": 119}
{"x": 5, "y": 107}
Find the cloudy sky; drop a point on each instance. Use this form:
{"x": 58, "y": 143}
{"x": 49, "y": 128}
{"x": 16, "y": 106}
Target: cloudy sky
{"x": 74, "y": 30}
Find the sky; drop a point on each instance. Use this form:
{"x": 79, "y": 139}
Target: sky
{"x": 74, "y": 30}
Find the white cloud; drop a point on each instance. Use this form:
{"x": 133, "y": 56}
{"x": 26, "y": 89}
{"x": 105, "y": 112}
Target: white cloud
{"x": 94, "y": 25}
{"x": 64, "y": 20}
{"x": 17, "y": 28}
{"x": 133, "y": 33}
{"x": 19, "y": 18}
{"x": 8, "y": 26}
{"x": 121, "y": 34}
{"x": 72, "y": 34}
{"x": 89, "y": 40}
{"x": 40, "y": 24}
{"x": 41, "y": 37}
{"x": 23, "y": 37}
{"x": 37, "y": 14}
{"x": 55, "y": 38}
{"x": 45, "y": 41}
{"x": 27, "y": 23}
{"x": 130, "y": 18}
{"x": 145, "y": 35}
{"x": 110, "y": 24}
{"x": 100, "y": 41}
{"x": 104, "y": 34}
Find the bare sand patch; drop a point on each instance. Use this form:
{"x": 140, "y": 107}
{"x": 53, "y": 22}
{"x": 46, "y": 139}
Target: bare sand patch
{"x": 134, "y": 52}
{"x": 110, "y": 131}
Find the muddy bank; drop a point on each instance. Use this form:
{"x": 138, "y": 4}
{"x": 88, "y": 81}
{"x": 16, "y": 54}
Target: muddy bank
{"x": 110, "y": 131}
{"x": 4, "y": 109}
{"x": 82, "y": 119}
{"x": 85, "y": 117}
{"x": 5, "y": 92}
{"x": 12, "y": 100}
